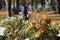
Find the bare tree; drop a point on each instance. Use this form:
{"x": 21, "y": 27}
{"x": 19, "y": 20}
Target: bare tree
{"x": 58, "y": 6}
{"x": 9, "y": 8}
{"x": 53, "y": 4}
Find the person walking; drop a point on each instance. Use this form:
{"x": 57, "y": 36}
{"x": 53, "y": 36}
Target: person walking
{"x": 43, "y": 4}
{"x": 24, "y": 11}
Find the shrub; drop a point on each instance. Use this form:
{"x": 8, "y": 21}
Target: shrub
{"x": 37, "y": 27}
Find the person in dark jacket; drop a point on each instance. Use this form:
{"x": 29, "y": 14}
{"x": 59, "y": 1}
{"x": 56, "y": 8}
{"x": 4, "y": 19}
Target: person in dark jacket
{"x": 43, "y": 4}
{"x": 15, "y": 10}
{"x": 24, "y": 11}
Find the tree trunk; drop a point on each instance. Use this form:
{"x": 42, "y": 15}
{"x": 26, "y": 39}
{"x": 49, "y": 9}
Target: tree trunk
{"x": 59, "y": 6}
{"x": 9, "y": 8}
{"x": 17, "y": 5}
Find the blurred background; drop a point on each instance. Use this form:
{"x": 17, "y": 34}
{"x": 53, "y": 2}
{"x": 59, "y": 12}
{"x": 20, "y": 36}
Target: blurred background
{"x": 46, "y": 7}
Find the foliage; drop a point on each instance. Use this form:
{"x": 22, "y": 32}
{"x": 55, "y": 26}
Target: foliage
{"x": 37, "y": 27}
{"x": 41, "y": 28}
{"x": 2, "y": 37}
{"x": 13, "y": 27}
